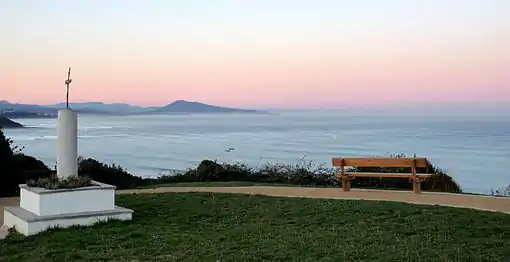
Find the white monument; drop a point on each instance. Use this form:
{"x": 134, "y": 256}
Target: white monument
{"x": 41, "y": 208}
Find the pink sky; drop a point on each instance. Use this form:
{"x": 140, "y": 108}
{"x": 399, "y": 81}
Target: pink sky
{"x": 259, "y": 59}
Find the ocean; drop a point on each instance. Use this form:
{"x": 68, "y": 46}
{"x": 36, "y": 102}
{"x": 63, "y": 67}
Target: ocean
{"x": 475, "y": 151}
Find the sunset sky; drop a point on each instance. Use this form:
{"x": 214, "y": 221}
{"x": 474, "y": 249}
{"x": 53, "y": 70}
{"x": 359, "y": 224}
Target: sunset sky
{"x": 257, "y": 53}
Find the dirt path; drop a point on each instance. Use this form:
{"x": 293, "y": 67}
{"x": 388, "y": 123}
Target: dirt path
{"x": 11, "y": 201}
{"x": 498, "y": 204}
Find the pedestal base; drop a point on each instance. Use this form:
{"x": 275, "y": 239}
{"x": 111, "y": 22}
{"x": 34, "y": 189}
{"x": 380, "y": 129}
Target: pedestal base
{"x": 41, "y": 208}
{"x": 28, "y": 223}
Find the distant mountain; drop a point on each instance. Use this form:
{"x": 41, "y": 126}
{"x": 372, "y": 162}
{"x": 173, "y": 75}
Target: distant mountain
{"x": 181, "y": 106}
{"x": 6, "y": 106}
{"x": 31, "y": 111}
{"x": 25, "y": 114}
{"x": 7, "y": 123}
{"x": 12, "y": 110}
{"x": 116, "y": 108}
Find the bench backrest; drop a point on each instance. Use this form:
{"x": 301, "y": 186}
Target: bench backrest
{"x": 380, "y": 162}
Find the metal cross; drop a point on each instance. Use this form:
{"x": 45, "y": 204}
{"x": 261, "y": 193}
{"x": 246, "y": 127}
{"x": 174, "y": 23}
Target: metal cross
{"x": 68, "y": 81}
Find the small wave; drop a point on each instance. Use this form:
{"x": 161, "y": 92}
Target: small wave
{"x": 25, "y": 138}
{"x": 160, "y": 170}
{"x": 36, "y": 138}
{"x": 101, "y": 136}
{"x": 95, "y": 127}
{"x": 46, "y": 125}
{"x": 102, "y": 127}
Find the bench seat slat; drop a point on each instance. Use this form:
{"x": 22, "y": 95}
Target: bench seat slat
{"x": 380, "y": 162}
{"x": 396, "y": 175}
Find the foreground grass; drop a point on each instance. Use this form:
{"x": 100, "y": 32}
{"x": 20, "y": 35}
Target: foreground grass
{"x": 227, "y": 227}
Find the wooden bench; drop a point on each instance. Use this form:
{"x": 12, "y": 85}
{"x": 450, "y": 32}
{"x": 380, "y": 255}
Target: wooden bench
{"x": 412, "y": 163}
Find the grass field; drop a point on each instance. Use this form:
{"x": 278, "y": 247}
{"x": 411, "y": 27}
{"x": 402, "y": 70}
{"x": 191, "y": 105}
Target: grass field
{"x": 227, "y": 227}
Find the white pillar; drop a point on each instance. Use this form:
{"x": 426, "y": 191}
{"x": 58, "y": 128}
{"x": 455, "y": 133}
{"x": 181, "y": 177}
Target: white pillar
{"x": 67, "y": 143}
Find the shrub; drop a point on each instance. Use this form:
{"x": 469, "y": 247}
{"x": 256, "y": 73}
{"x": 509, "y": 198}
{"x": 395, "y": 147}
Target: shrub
{"x": 31, "y": 168}
{"x": 110, "y": 174}
{"x": 307, "y": 174}
{"x": 8, "y": 169}
{"x": 54, "y": 182}
{"x": 16, "y": 168}
{"x": 302, "y": 174}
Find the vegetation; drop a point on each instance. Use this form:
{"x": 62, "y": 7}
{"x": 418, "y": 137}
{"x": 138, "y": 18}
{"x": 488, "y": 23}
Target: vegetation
{"x": 18, "y": 168}
{"x": 109, "y": 174}
{"x": 54, "y": 182}
{"x": 307, "y": 174}
{"x": 230, "y": 227}
{"x": 8, "y": 169}
{"x": 505, "y": 191}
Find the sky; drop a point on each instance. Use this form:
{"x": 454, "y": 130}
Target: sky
{"x": 257, "y": 53}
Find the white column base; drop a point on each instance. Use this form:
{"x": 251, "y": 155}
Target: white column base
{"x": 41, "y": 209}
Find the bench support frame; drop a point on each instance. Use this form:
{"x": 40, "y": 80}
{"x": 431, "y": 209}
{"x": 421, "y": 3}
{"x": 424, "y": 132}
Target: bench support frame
{"x": 347, "y": 178}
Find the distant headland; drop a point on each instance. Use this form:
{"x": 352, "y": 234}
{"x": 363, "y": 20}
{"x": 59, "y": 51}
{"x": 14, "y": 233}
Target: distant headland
{"x": 182, "y": 106}
{"x": 7, "y": 123}
{"x": 13, "y": 111}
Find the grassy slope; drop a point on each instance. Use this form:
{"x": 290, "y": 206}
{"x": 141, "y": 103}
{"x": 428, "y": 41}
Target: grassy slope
{"x": 225, "y": 227}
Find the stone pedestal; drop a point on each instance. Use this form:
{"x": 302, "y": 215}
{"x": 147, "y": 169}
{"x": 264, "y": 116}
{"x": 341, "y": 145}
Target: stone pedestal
{"x": 41, "y": 208}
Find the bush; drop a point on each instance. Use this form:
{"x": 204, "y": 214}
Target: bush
{"x": 8, "y": 169}
{"x": 109, "y": 174}
{"x": 31, "y": 168}
{"x": 304, "y": 174}
{"x": 54, "y": 182}
{"x": 307, "y": 174}
{"x": 16, "y": 168}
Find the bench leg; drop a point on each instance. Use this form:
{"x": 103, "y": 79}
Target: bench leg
{"x": 417, "y": 187}
{"x": 346, "y": 184}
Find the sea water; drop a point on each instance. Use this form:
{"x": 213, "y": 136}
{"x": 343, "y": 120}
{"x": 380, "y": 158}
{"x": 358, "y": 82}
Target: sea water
{"x": 474, "y": 151}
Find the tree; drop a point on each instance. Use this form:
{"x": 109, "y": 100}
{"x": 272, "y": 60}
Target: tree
{"x": 8, "y": 169}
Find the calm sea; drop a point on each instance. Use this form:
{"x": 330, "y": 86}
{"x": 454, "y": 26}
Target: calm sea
{"x": 475, "y": 151}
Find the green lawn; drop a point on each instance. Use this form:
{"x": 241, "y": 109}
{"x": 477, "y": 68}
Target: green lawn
{"x": 228, "y": 227}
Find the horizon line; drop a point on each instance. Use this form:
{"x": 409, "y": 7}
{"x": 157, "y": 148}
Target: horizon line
{"x": 325, "y": 106}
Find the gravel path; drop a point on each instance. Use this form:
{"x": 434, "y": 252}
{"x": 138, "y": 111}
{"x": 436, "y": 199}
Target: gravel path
{"x": 489, "y": 203}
